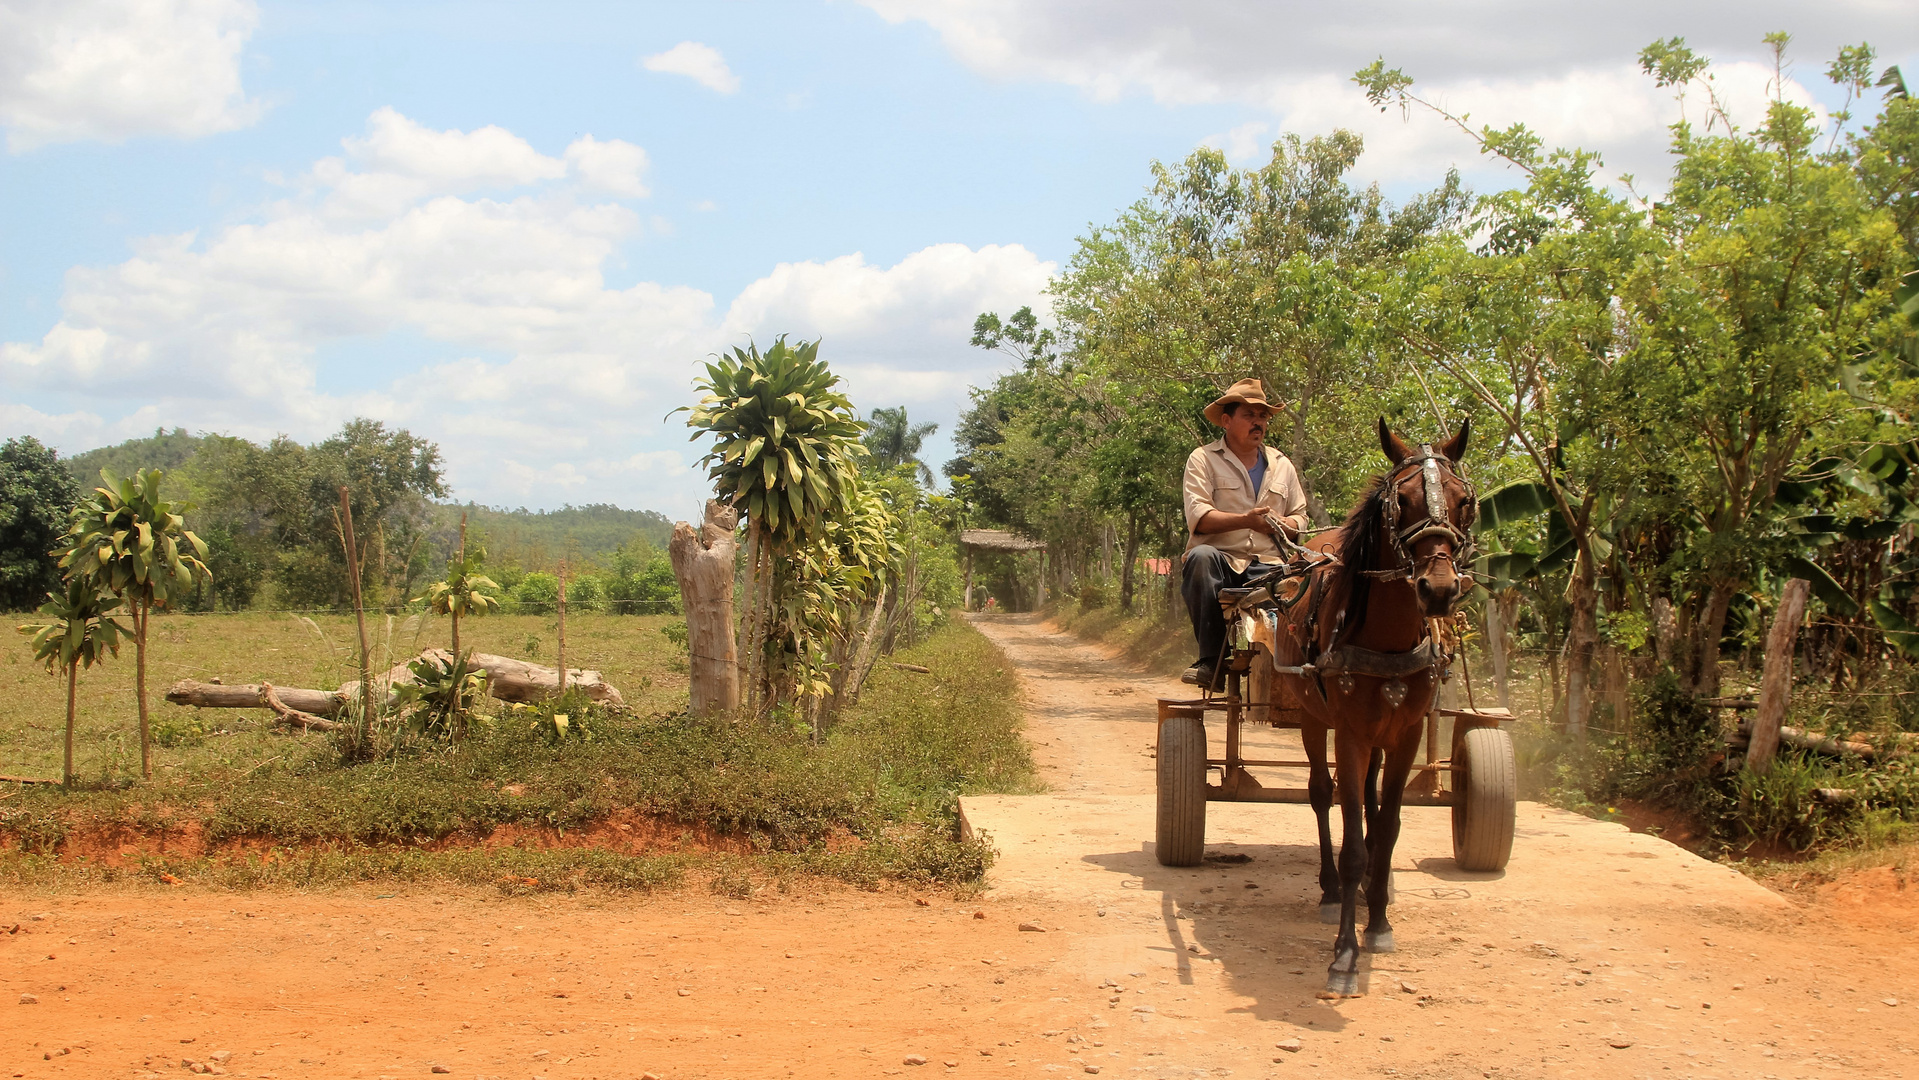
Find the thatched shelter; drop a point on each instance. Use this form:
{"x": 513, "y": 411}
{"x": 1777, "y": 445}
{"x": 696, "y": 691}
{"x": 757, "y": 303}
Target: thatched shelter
{"x": 1002, "y": 541}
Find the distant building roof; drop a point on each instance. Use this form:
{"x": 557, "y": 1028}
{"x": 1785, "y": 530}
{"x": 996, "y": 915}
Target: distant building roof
{"x": 999, "y": 540}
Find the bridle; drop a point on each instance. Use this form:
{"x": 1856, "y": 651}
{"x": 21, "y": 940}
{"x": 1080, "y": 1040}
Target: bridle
{"x": 1437, "y": 522}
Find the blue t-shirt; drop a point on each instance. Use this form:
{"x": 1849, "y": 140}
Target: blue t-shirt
{"x": 1258, "y": 473}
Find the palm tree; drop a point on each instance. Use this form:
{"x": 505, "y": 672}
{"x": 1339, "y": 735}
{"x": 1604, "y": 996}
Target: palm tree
{"x": 894, "y": 442}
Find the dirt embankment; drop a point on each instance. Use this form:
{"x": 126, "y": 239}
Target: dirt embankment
{"x": 1600, "y": 954}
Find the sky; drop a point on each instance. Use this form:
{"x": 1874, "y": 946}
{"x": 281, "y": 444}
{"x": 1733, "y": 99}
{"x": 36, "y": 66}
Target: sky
{"x": 519, "y": 230}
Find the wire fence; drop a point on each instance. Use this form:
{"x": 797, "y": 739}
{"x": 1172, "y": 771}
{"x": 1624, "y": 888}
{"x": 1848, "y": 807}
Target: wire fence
{"x": 510, "y": 607}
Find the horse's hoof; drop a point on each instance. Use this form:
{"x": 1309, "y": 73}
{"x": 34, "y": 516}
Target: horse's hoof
{"x": 1379, "y": 941}
{"x": 1329, "y": 914}
{"x": 1340, "y": 984}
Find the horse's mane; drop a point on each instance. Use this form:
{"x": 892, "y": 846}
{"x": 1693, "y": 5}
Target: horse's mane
{"x": 1358, "y": 544}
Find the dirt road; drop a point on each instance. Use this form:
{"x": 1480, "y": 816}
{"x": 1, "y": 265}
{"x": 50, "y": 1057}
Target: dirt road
{"x": 1594, "y": 937}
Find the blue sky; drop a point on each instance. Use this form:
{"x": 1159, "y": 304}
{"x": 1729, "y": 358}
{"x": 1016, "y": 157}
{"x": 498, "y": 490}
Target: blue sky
{"x": 504, "y": 227}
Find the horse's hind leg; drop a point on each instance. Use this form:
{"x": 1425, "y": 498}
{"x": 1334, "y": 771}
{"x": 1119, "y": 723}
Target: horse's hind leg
{"x": 1342, "y": 975}
{"x": 1319, "y": 789}
{"x": 1399, "y": 763}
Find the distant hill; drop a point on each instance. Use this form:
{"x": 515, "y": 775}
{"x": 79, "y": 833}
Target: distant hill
{"x": 163, "y": 450}
{"x": 539, "y": 539}
{"x": 534, "y": 539}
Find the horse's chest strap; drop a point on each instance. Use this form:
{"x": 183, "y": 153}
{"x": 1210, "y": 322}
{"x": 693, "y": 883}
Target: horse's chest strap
{"x": 1353, "y": 660}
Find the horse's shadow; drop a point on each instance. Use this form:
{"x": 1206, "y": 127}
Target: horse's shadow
{"x": 1253, "y": 909}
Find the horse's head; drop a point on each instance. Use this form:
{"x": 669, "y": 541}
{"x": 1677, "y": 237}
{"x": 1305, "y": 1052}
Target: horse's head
{"x": 1428, "y": 513}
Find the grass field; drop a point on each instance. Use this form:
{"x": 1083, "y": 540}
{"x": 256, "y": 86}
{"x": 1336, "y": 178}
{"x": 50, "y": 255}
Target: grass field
{"x": 876, "y": 800}
{"x": 286, "y": 651}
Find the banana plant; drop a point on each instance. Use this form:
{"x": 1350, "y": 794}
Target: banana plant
{"x": 79, "y": 630}
{"x": 131, "y": 543}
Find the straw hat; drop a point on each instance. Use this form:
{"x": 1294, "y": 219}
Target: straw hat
{"x": 1249, "y": 391}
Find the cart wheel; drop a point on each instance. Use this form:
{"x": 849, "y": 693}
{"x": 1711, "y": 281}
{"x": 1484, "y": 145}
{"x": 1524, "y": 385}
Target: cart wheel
{"x": 1485, "y": 800}
{"x": 1180, "y": 832}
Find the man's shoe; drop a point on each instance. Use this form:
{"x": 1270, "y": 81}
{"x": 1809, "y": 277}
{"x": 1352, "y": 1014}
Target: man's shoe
{"x": 1201, "y": 675}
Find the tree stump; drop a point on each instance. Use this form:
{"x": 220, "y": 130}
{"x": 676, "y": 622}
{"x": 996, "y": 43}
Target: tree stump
{"x": 703, "y": 564}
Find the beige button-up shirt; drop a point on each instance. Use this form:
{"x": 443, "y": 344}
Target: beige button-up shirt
{"x": 1217, "y": 480}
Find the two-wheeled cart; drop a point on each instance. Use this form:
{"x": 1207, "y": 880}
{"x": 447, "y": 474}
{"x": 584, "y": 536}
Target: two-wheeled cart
{"x": 1478, "y": 778}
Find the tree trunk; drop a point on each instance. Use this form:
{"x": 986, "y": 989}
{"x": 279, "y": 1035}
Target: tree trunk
{"x": 1126, "y": 570}
{"x": 1665, "y": 628}
{"x": 73, "y": 680}
{"x": 966, "y": 600}
{"x": 1496, "y": 649}
{"x": 1704, "y": 673}
{"x": 1582, "y": 633}
{"x": 1775, "y": 687}
{"x": 703, "y": 562}
{"x": 868, "y": 652}
{"x": 143, "y": 611}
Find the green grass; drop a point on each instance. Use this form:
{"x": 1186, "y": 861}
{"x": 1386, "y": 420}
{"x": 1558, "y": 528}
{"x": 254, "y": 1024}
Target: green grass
{"x": 888, "y": 777}
{"x": 285, "y": 651}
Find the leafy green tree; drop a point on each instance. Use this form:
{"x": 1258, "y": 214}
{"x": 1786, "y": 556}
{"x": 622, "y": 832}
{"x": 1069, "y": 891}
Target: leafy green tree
{"x": 36, "y": 491}
{"x": 79, "y": 631}
{"x": 893, "y": 441}
{"x": 1773, "y": 271}
{"x": 288, "y": 494}
{"x": 127, "y": 541}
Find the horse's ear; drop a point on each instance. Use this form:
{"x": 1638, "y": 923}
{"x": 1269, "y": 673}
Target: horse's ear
{"x": 1390, "y": 444}
{"x": 1455, "y": 448}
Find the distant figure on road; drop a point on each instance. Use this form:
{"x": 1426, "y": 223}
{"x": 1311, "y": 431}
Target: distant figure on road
{"x": 1239, "y": 492}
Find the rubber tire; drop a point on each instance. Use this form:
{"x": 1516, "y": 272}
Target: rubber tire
{"x": 1485, "y": 800}
{"x": 1179, "y": 834}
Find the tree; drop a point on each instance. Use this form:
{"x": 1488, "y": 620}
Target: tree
{"x": 893, "y": 441}
{"x": 1773, "y": 271}
{"x": 36, "y": 491}
{"x": 126, "y": 540}
{"x": 786, "y": 452}
{"x": 79, "y": 631}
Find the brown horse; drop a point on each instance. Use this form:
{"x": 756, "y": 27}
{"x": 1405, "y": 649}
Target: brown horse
{"x": 1365, "y": 666}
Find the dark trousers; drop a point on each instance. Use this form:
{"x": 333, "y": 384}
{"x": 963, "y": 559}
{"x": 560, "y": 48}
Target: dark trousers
{"x": 1206, "y": 572}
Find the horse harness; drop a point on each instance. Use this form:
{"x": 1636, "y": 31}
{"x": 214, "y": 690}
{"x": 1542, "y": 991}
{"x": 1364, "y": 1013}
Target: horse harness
{"x": 1263, "y": 599}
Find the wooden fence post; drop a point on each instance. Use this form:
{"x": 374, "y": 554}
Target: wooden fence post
{"x": 1775, "y": 686}
{"x": 359, "y": 608}
{"x": 562, "y": 612}
{"x": 703, "y": 563}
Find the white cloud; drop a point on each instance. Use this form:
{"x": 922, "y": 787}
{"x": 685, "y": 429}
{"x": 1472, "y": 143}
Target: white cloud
{"x": 613, "y": 166}
{"x": 701, "y": 63}
{"x": 116, "y": 69}
{"x": 1567, "y": 72}
{"x": 483, "y": 322}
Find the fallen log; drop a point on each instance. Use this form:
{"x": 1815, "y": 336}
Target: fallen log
{"x": 292, "y": 717}
{"x": 1801, "y": 739}
{"x": 914, "y": 667}
{"x": 253, "y": 696}
{"x": 507, "y": 679}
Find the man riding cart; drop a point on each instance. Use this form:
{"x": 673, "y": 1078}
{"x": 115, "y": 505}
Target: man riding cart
{"x": 1242, "y": 499}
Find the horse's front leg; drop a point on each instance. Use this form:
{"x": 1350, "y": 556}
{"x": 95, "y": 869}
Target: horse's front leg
{"x": 1385, "y": 834}
{"x": 1342, "y": 976}
{"x": 1319, "y": 789}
